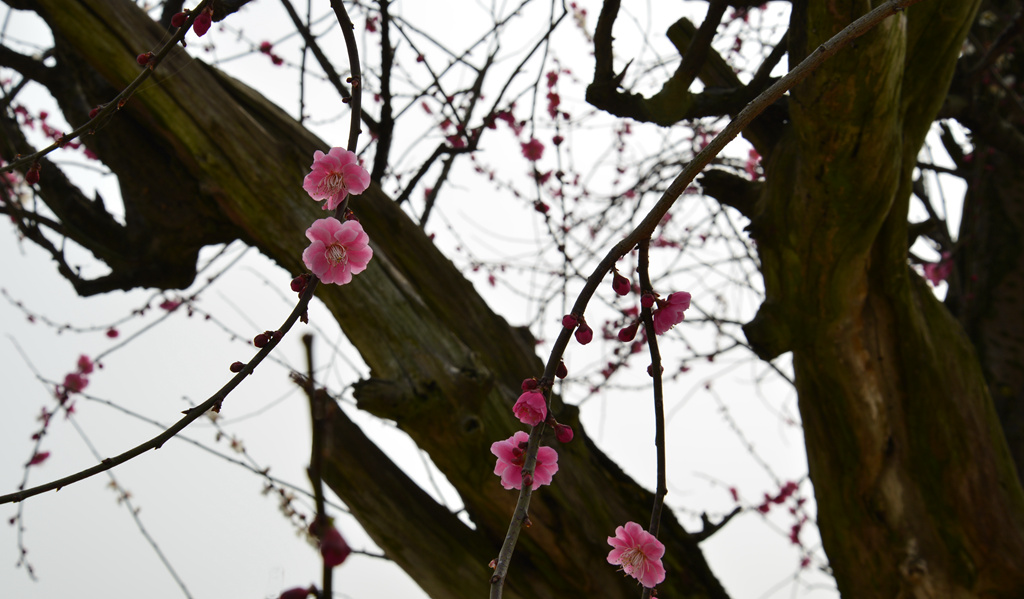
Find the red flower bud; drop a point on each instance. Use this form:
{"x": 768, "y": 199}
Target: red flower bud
{"x": 569, "y": 321}
{"x": 647, "y": 300}
{"x": 261, "y": 340}
{"x": 561, "y": 372}
{"x": 628, "y": 333}
{"x": 530, "y": 384}
{"x": 202, "y": 23}
{"x": 584, "y": 334}
{"x": 143, "y": 59}
{"x": 179, "y": 19}
{"x": 563, "y": 433}
{"x": 32, "y": 176}
{"x": 620, "y": 284}
{"x": 236, "y": 366}
{"x": 333, "y": 548}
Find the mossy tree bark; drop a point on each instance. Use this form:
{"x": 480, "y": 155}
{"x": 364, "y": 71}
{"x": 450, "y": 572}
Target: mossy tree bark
{"x": 917, "y": 493}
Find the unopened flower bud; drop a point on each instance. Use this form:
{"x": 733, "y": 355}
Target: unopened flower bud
{"x": 528, "y": 480}
{"x": 179, "y": 19}
{"x": 563, "y": 433}
{"x": 32, "y": 176}
{"x": 530, "y": 384}
{"x": 236, "y": 367}
{"x": 650, "y": 370}
{"x": 647, "y": 300}
{"x": 569, "y": 321}
{"x": 143, "y": 59}
{"x": 561, "y": 372}
{"x": 299, "y": 283}
{"x": 584, "y": 334}
{"x": 628, "y": 333}
{"x": 620, "y": 284}
{"x": 261, "y": 340}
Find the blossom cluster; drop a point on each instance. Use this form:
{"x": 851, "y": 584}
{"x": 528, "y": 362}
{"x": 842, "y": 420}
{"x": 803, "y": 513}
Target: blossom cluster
{"x": 338, "y": 249}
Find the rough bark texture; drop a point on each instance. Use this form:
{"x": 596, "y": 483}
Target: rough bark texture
{"x": 443, "y": 365}
{"x": 917, "y": 493}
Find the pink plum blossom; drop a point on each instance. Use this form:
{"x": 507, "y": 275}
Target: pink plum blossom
{"x": 511, "y": 454}
{"x": 339, "y": 250}
{"x": 639, "y": 553}
{"x": 531, "y": 408}
{"x": 335, "y": 175}
{"x": 670, "y": 311}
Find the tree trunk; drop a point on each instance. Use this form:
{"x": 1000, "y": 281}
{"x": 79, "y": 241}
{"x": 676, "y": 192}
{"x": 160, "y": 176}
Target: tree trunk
{"x": 917, "y": 493}
{"x": 443, "y": 366}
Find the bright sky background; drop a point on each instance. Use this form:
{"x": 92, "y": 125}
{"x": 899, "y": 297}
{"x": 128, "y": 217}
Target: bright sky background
{"x": 208, "y": 516}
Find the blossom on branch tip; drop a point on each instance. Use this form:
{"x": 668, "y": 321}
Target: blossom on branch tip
{"x": 670, "y": 311}
{"x": 339, "y": 250}
{"x": 335, "y": 175}
{"x": 511, "y": 454}
{"x": 639, "y": 553}
{"x": 531, "y": 408}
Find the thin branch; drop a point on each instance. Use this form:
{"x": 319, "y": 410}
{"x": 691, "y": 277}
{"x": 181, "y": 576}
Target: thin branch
{"x": 191, "y": 415}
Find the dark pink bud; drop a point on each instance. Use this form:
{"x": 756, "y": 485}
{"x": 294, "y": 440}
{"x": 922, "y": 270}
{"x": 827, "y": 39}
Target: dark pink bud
{"x": 561, "y": 372}
{"x": 647, "y": 300}
{"x": 333, "y": 548}
{"x": 299, "y": 283}
{"x": 265, "y": 47}
{"x": 236, "y": 367}
{"x": 297, "y": 593}
{"x": 569, "y": 321}
{"x": 650, "y": 370}
{"x": 112, "y": 333}
{"x": 85, "y": 365}
{"x": 143, "y": 59}
{"x": 261, "y": 340}
{"x": 628, "y": 333}
{"x": 75, "y": 382}
{"x": 527, "y": 480}
{"x": 584, "y": 334}
{"x": 563, "y": 433}
{"x": 557, "y": 140}
{"x": 620, "y": 284}
{"x": 530, "y": 384}
{"x": 32, "y": 176}
{"x": 179, "y": 19}
{"x": 39, "y": 458}
{"x": 202, "y": 23}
